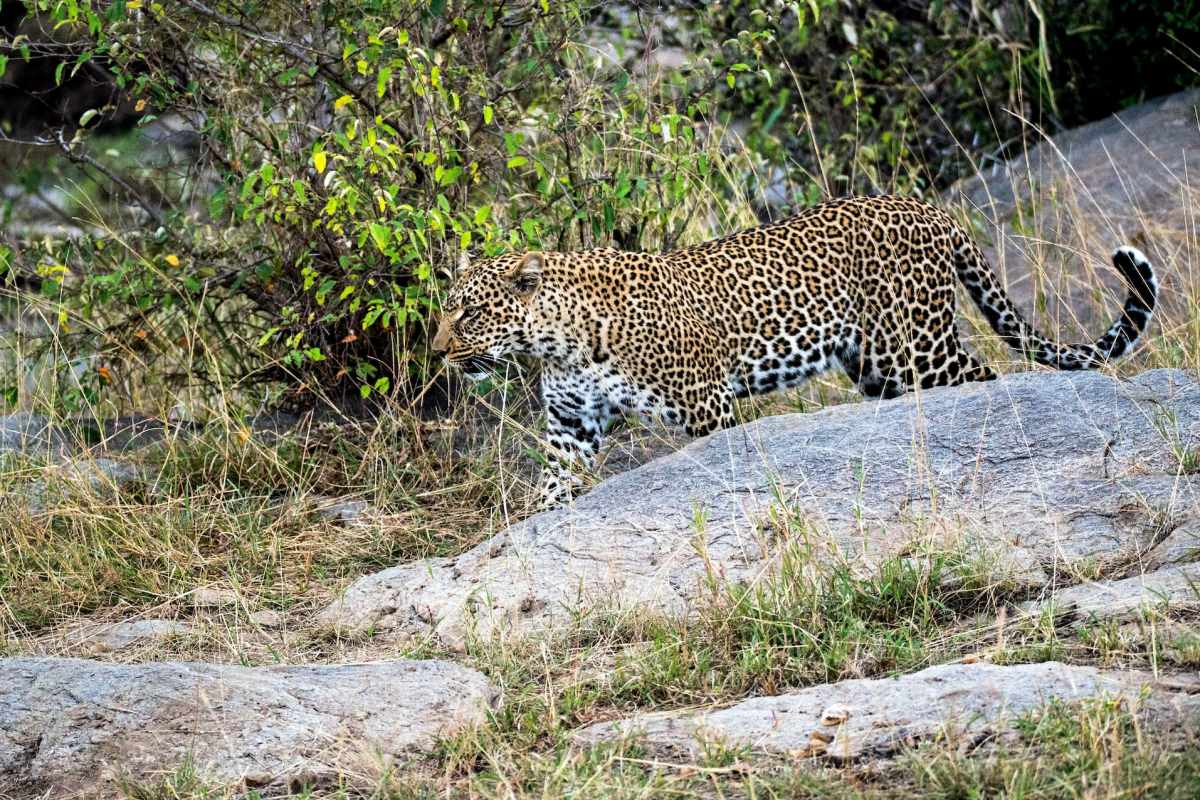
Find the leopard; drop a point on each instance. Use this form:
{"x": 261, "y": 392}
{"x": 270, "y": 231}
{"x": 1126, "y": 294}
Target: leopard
{"x": 863, "y": 284}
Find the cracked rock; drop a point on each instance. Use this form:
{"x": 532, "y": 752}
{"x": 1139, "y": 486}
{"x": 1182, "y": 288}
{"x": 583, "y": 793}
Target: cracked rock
{"x": 1173, "y": 587}
{"x": 70, "y": 725}
{"x": 876, "y": 717}
{"x": 1041, "y": 472}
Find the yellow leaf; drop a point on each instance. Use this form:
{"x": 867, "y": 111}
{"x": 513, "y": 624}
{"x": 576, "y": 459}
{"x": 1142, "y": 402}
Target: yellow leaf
{"x": 172, "y": 259}
{"x": 342, "y": 102}
{"x": 140, "y": 106}
{"x": 319, "y": 161}
{"x": 133, "y": 5}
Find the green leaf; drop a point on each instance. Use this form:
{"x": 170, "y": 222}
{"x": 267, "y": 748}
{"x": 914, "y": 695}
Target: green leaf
{"x": 87, "y": 117}
{"x": 517, "y": 161}
{"x": 381, "y": 234}
{"x": 482, "y": 214}
{"x": 488, "y": 112}
{"x": 248, "y": 185}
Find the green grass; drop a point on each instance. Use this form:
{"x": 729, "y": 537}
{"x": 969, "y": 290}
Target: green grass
{"x": 810, "y": 622}
{"x": 1096, "y": 749}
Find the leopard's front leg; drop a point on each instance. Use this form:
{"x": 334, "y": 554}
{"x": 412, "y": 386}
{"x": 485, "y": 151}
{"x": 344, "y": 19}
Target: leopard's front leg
{"x": 576, "y": 416}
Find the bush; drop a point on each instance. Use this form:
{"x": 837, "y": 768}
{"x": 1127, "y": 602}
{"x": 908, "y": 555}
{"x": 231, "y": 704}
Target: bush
{"x": 320, "y": 166}
{"x": 347, "y": 152}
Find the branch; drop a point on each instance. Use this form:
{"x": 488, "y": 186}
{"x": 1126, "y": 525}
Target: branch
{"x": 319, "y": 58}
{"x": 81, "y": 157}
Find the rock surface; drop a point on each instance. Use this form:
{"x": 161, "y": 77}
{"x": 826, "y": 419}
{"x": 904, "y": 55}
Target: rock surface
{"x": 352, "y": 511}
{"x": 28, "y": 432}
{"x": 69, "y": 725}
{"x": 107, "y": 637}
{"x": 1120, "y": 180}
{"x": 875, "y": 718}
{"x": 1044, "y": 469}
{"x": 1176, "y": 587}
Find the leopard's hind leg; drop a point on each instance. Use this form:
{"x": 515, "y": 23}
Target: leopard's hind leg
{"x": 885, "y": 374}
{"x": 948, "y": 363}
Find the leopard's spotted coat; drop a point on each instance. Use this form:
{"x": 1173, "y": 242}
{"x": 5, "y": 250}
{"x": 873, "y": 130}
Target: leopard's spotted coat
{"x": 865, "y": 284}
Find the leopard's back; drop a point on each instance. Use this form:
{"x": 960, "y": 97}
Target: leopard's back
{"x": 851, "y": 282}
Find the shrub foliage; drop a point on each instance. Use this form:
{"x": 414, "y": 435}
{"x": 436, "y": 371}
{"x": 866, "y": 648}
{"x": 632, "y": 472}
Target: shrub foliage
{"x": 316, "y": 167}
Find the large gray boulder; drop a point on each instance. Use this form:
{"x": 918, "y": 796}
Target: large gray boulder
{"x": 1053, "y": 473}
{"x": 875, "y": 718}
{"x": 69, "y": 725}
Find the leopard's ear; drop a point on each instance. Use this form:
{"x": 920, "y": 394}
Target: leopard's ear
{"x": 527, "y": 277}
{"x": 464, "y": 261}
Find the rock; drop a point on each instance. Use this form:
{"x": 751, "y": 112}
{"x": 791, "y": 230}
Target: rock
{"x": 1175, "y": 587}
{"x": 1118, "y": 180}
{"x": 105, "y": 637}
{"x": 1181, "y": 546}
{"x": 1043, "y": 469}
{"x": 266, "y": 618}
{"x": 343, "y": 511}
{"x": 881, "y": 716}
{"x": 213, "y": 597}
{"x": 25, "y": 432}
{"x": 68, "y": 725}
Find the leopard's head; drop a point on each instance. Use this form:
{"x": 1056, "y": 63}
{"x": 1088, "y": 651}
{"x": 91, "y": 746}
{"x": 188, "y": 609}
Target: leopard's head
{"x": 486, "y": 312}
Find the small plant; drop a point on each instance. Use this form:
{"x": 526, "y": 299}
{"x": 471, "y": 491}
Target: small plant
{"x": 1187, "y": 455}
{"x": 1090, "y": 749}
{"x": 807, "y": 621}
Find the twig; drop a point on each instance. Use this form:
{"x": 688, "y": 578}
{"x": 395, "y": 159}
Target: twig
{"x": 81, "y": 157}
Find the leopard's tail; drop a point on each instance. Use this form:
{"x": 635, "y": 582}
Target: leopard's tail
{"x": 980, "y": 281}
